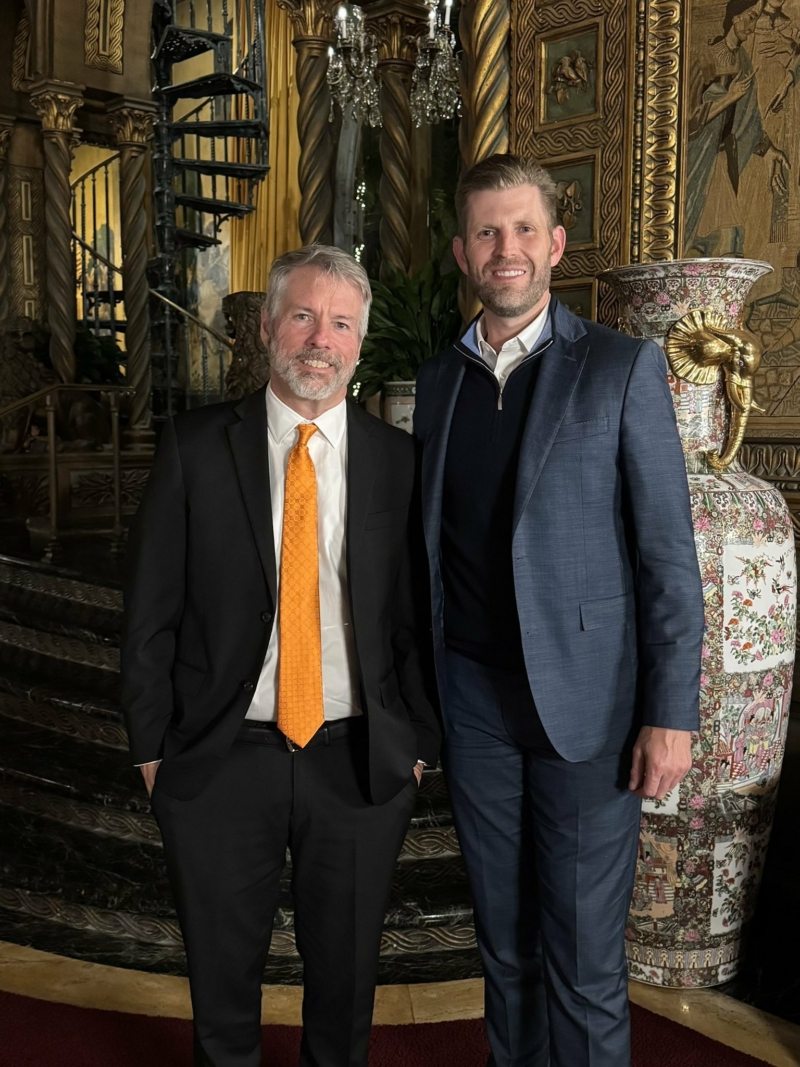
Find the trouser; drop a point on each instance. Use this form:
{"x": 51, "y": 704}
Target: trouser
{"x": 550, "y": 849}
{"x": 225, "y": 852}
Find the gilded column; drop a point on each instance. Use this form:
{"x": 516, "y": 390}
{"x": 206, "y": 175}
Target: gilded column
{"x": 133, "y": 126}
{"x": 312, "y": 20}
{"x": 484, "y": 27}
{"x": 56, "y": 104}
{"x": 396, "y": 26}
{"x": 6, "y": 129}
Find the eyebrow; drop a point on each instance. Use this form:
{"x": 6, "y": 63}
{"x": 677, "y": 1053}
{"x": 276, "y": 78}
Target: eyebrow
{"x": 310, "y": 311}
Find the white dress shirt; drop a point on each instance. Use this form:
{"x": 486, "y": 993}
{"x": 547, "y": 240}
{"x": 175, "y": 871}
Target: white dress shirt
{"x": 328, "y": 451}
{"x": 513, "y": 352}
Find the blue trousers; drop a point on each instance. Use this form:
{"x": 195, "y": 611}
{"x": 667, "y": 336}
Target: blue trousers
{"x": 550, "y": 849}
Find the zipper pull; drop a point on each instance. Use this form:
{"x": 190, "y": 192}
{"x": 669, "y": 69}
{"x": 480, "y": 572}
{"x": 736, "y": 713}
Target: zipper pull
{"x": 500, "y": 399}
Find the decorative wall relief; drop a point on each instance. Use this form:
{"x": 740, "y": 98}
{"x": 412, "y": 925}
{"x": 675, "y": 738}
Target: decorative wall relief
{"x": 103, "y": 34}
{"x": 576, "y": 188}
{"x": 570, "y": 69}
{"x": 569, "y": 110}
{"x": 26, "y": 239}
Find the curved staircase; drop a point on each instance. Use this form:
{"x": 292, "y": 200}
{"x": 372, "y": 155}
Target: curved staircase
{"x": 81, "y": 867}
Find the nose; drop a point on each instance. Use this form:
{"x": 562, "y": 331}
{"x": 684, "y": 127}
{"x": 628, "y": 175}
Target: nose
{"x": 320, "y": 335}
{"x": 505, "y": 244}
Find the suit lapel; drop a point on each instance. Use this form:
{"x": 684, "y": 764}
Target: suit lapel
{"x": 363, "y": 459}
{"x": 559, "y": 372}
{"x": 248, "y": 442}
{"x": 451, "y": 374}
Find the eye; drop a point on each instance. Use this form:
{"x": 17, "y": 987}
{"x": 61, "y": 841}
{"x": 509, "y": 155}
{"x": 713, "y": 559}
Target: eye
{"x": 526, "y": 229}
{"x": 485, "y": 233}
{"x": 301, "y": 316}
{"x": 342, "y": 325}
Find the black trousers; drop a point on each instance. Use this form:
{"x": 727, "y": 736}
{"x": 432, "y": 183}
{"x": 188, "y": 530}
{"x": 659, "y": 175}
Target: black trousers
{"x": 225, "y": 852}
{"x": 550, "y": 849}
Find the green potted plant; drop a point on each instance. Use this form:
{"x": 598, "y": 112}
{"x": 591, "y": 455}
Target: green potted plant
{"x": 412, "y": 318}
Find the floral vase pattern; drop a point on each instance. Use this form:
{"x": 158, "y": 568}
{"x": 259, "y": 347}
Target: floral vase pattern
{"x": 702, "y": 849}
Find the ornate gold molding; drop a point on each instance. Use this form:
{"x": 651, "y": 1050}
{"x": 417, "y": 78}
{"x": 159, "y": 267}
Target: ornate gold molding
{"x": 312, "y": 20}
{"x": 6, "y": 130}
{"x": 484, "y": 28}
{"x": 56, "y": 105}
{"x": 602, "y": 131}
{"x": 778, "y": 463}
{"x": 132, "y": 125}
{"x": 103, "y": 34}
{"x": 20, "y": 58}
{"x": 660, "y": 134}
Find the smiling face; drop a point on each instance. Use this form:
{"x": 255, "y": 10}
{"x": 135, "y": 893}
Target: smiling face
{"x": 508, "y": 250}
{"x": 314, "y": 341}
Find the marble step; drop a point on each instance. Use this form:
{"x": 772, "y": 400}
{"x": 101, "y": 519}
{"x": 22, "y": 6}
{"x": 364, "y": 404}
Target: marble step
{"x": 49, "y": 774}
{"x": 21, "y": 929}
{"x": 73, "y": 878}
{"x": 65, "y": 708}
{"x": 59, "y": 657}
{"x": 45, "y": 598}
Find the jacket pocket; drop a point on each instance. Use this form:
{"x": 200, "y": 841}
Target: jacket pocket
{"x": 187, "y": 679}
{"x": 597, "y": 613}
{"x": 386, "y": 518}
{"x": 589, "y": 428}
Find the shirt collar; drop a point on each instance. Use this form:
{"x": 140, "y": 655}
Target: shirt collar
{"x": 525, "y": 340}
{"x": 283, "y": 420}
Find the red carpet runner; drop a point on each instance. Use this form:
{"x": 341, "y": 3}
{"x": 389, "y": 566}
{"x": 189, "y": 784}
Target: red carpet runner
{"x": 34, "y": 1033}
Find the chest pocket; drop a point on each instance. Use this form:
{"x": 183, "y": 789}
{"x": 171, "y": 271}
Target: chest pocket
{"x": 571, "y": 431}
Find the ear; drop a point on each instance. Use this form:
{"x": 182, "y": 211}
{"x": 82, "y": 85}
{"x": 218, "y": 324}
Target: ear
{"x": 265, "y": 327}
{"x": 458, "y": 252}
{"x": 557, "y": 245}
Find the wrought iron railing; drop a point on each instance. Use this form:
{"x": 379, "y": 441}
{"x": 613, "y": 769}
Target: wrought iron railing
{"x": 96, "y": 243}
{"x": 49, "y": 395}
{"x": 204, "y": 351}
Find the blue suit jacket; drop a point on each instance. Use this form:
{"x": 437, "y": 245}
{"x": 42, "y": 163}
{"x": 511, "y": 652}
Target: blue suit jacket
{"x": 605, "y": 568}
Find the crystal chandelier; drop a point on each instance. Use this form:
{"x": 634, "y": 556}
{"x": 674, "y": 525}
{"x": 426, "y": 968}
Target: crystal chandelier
{"x": 434, "y": 87}
{"x": 351, "y": 68}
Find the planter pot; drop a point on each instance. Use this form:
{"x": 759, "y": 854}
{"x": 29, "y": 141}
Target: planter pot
{"x": 399, "y": 399}
{"x": 702, "y": 849}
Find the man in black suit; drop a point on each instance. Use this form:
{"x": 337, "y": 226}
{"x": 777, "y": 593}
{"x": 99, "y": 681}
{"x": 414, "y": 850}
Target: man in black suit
{"x": 273, "y": 688}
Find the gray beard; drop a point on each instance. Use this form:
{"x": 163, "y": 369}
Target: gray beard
{"x": 305, "y": 384}
{"x": 505, "y": 303}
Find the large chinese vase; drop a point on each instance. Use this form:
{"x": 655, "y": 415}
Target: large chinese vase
{"x": 702, "y": 849}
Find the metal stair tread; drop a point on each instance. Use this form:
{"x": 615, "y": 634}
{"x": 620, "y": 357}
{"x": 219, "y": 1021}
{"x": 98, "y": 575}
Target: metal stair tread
{"x": 220, "y": 83}
{"x": 220, "y": 128}
{"x": 229, "y": 168}
{"x": 182, "y": 42}
{"x": 214, "y": 207}
{"x": 193, "y": 239}
{"x": 59, "y": 582}
{"x": 65, "y": 695}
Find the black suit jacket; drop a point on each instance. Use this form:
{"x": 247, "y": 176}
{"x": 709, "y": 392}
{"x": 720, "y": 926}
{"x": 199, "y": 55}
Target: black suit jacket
{"x": 200, "y": 597}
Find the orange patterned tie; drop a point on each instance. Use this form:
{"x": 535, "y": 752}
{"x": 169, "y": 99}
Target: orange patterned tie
{"x": 300, "y": 712}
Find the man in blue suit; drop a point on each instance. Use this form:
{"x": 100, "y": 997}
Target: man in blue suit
{"x": 567, "y": 621}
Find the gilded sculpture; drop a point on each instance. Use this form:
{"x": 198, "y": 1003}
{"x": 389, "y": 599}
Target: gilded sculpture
{"x": 701, "y": 343}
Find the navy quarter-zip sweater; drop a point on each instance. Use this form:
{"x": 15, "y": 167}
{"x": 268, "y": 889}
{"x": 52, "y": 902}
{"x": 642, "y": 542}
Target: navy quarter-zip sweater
{"x": 480, "y": 609}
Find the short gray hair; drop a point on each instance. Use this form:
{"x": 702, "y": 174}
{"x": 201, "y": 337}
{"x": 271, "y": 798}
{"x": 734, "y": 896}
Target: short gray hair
{"x": 328, "y": 260}
{"x": 505, "y": 171}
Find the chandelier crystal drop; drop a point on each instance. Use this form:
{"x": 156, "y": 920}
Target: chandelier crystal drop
{"x": 434, "y": 87}
{"x": 352, "y": 63}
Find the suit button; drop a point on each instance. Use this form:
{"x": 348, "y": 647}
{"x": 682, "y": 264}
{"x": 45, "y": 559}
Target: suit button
{"x": 266, "y": 616}
{"x": 249, "y": 687}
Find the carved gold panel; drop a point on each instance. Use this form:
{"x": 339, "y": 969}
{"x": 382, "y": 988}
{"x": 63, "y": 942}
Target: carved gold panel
{"x": 572, "y": 66}
{"x": 103, "y": 34}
